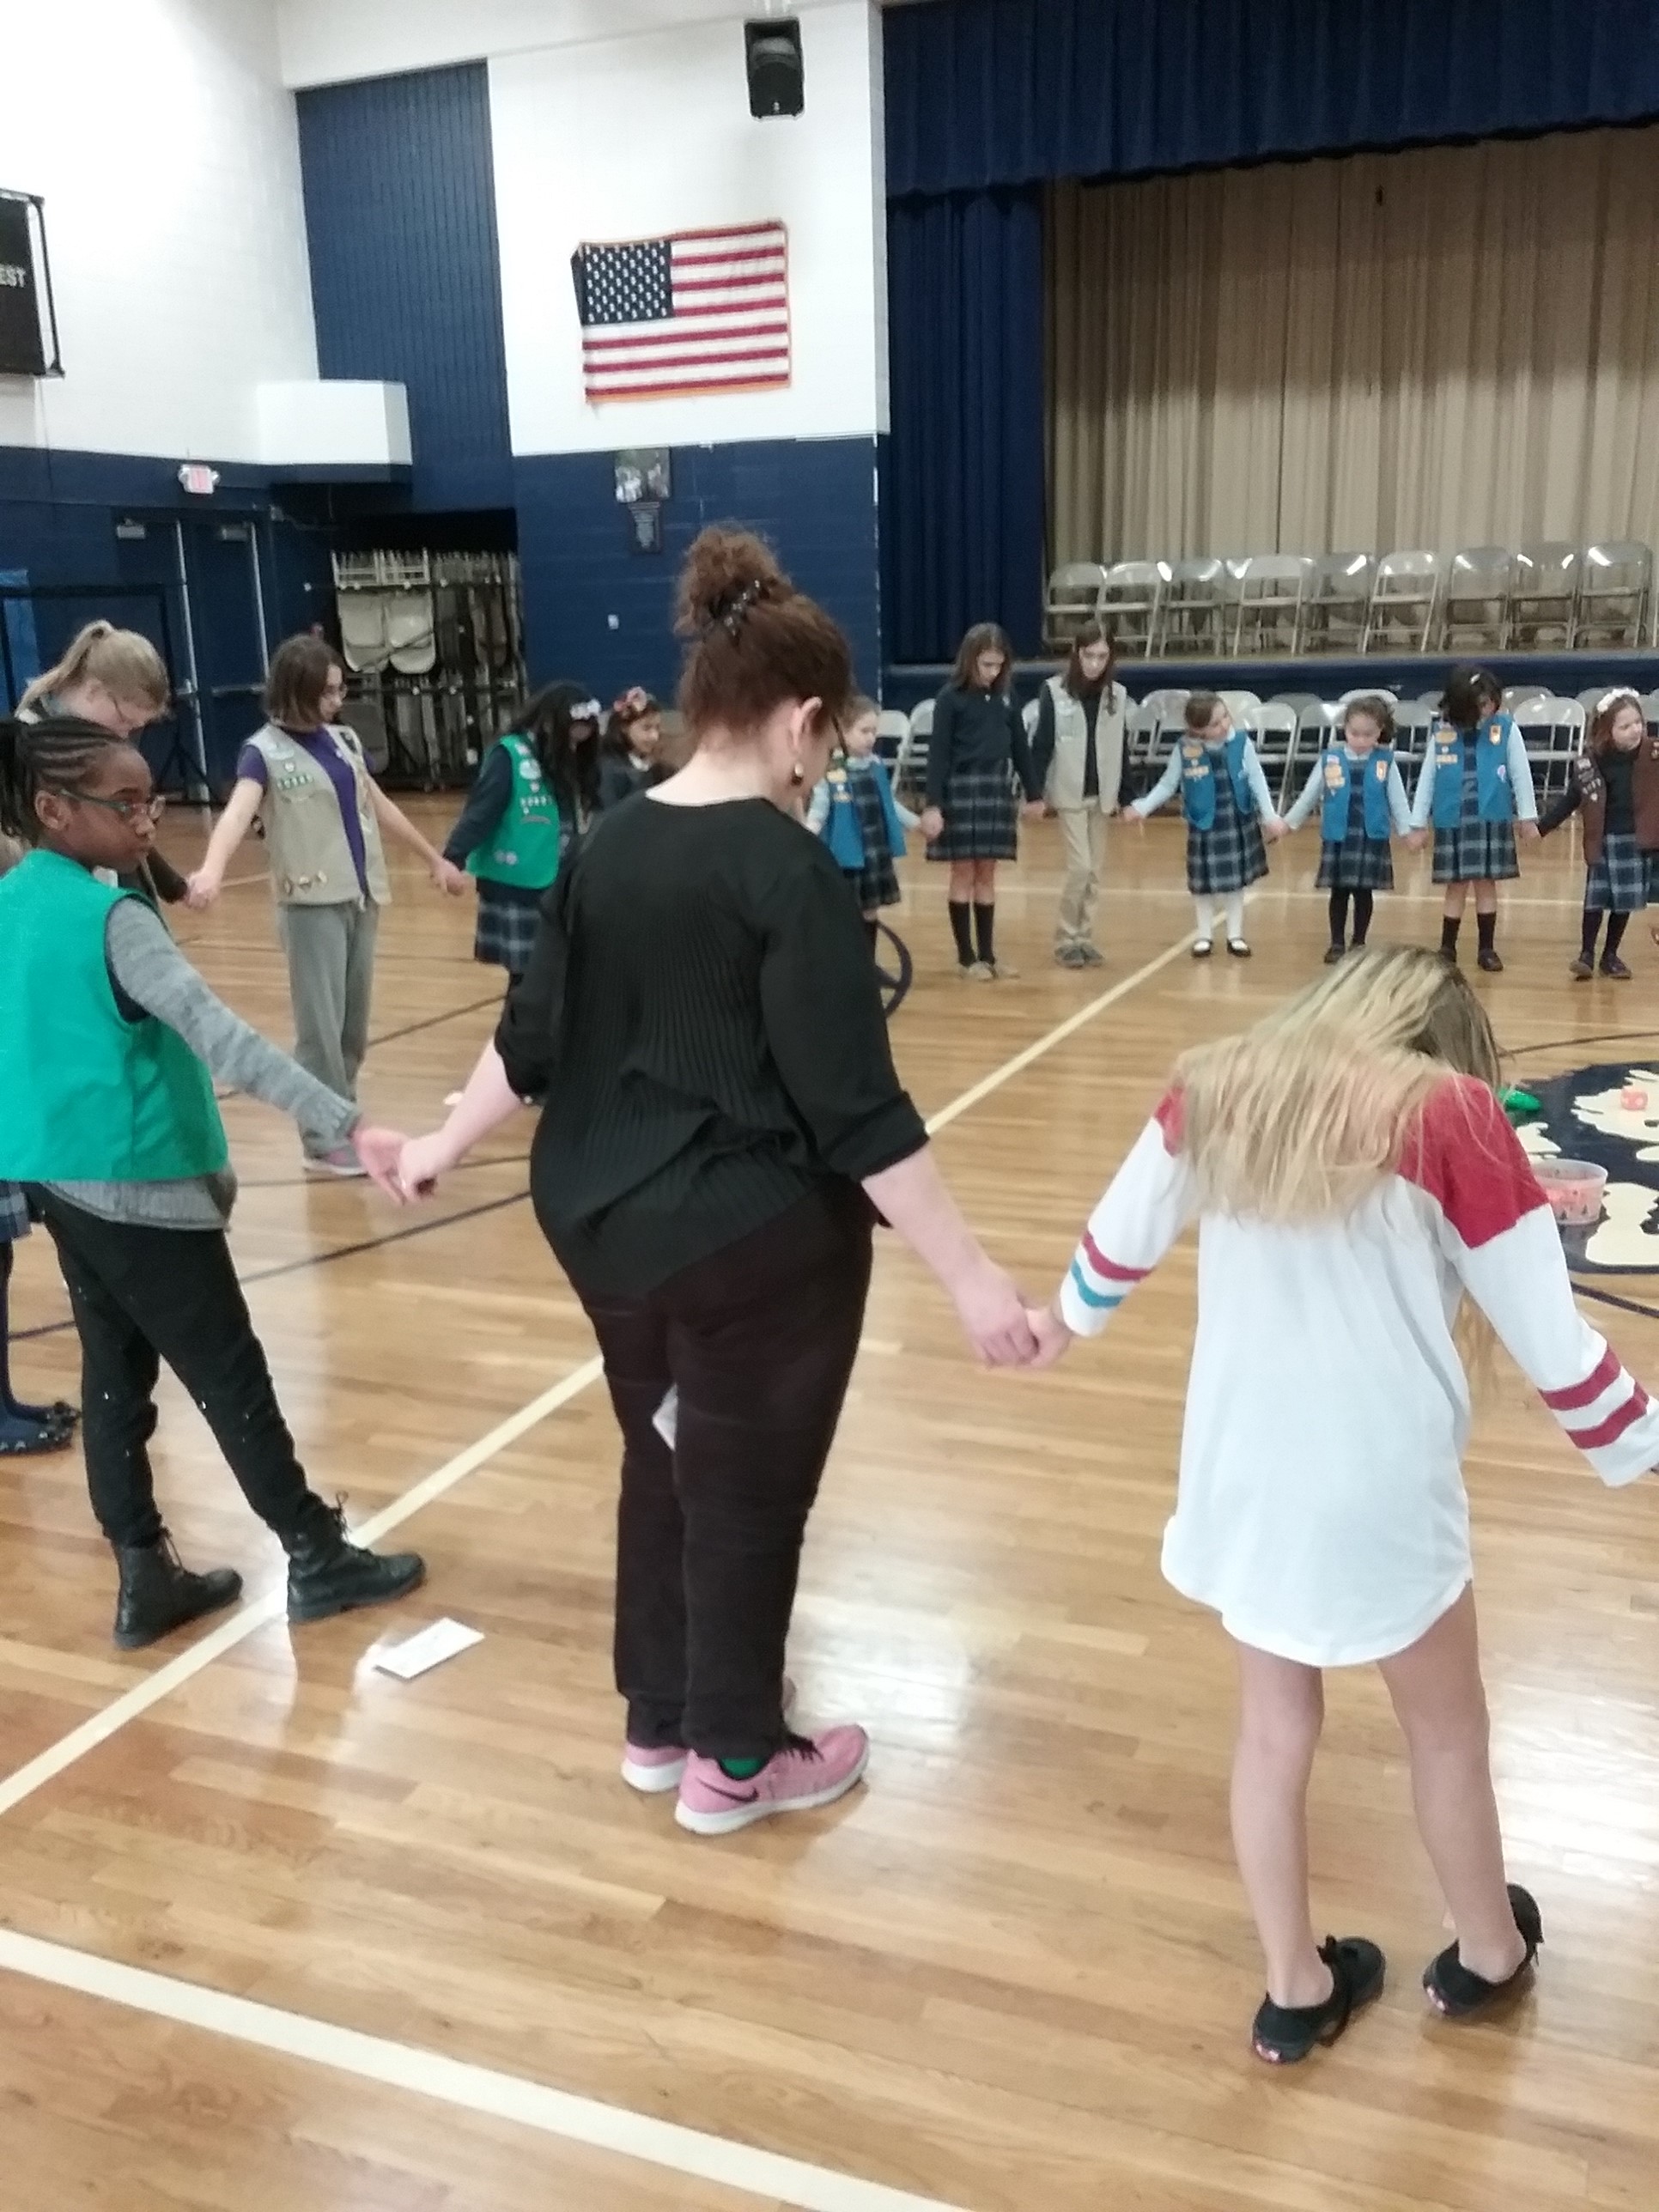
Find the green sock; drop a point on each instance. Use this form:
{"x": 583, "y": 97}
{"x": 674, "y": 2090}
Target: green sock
{"x": 741, "y": 1770}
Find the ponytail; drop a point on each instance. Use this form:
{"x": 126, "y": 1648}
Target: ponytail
{"x": 127, "y": 666}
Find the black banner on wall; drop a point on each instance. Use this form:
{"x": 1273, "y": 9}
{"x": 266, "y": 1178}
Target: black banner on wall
{"x": 23, "y": 340}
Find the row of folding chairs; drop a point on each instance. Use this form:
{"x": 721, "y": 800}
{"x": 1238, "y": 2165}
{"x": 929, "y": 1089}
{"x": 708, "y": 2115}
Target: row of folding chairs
{"x": 1291, "y": 729}
{"x": 1484, "y": 597}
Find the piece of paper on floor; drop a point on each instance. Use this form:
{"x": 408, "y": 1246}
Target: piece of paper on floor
{"x": 430, "y": 1647}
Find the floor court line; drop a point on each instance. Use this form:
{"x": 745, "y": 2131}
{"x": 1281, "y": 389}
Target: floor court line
{"x": 761, "y": 2173}
{"x": 553, "y": 2112}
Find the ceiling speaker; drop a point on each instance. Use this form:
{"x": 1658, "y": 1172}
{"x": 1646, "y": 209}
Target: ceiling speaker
{"x": 777, "y": 80}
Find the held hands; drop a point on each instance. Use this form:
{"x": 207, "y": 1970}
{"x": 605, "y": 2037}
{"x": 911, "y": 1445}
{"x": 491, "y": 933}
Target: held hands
{"x": 1529, "y": 830}
{"x": 1053, "y": 1338}
{"x": 933, "y": 824}
{"x": 447, "y": 877}
{"x": 993, "y": 1316}
{"x": 1274, "y": 828}
{"x": 1417, "y": 839}
{"x": 423, "y": 1160}
{"x": 202, "y": 887}
{"x": 1032, "y": 809}
{"x": 378, "y": 1154}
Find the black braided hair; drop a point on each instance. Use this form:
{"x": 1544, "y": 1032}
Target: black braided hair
{"x": 56, "y": 753}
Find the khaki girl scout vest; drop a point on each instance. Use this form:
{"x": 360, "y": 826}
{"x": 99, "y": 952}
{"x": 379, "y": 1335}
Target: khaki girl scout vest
{"x": 311, "y": 862}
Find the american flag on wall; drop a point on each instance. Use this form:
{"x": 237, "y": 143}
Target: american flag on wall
{"x": 702, "y": 311}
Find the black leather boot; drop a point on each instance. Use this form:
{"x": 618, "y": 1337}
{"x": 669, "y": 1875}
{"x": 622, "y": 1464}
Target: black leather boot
{"x": 328, "y": 1574}
{"x": 158, "y": 1592}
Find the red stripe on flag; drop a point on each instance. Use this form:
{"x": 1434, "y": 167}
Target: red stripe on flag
{"x": 1109, "y": 1270}
{"x": 679, "y": 337}
{"x": 612, "y": 368}
{"x": 1610, "y": 1431}
{"x": 726, "y": 283}
{"x": 738, "y": 253}
{"x": 1601, "y": 1377}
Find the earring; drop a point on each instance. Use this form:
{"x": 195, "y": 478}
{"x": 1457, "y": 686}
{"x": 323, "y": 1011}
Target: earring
{"x": 798, "y": 773}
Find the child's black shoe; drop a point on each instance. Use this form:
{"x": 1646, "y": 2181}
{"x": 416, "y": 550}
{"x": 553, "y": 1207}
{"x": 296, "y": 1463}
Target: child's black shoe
{"x": 1285, "y": 2034}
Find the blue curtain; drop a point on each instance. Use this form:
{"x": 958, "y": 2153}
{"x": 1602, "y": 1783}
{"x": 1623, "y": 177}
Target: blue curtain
{"x": 962, "y": 542}
{"x": 984, "y": 92}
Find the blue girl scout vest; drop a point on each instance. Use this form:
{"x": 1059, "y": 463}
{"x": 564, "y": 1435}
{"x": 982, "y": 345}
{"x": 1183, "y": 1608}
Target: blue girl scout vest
{"x": 1198, "y": 779}
{"x": 1371, "y": 773}
{"x": 843, "y": 833}
{"x": 1491, "y": 746}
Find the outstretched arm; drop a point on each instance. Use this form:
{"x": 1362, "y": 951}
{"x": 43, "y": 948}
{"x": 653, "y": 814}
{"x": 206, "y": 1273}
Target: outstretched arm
{"x": 1148, "y": 1203}
{"x": 232, "y": 827}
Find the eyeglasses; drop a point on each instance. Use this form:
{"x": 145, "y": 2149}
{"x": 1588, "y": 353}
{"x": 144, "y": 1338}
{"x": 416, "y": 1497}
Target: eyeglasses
{"x": 129, "y": 810}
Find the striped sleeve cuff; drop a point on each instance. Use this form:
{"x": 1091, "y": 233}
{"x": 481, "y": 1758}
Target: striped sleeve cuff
{"x": 1094, "y": 1288}
{"x": 1611, "y": 1420}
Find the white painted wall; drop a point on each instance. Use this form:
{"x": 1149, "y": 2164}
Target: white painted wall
{"x": 330, "y": 41}
{"x": 634, "y": 137}
{"x": 164, "y": 144}
{"x": 337, "y": 423}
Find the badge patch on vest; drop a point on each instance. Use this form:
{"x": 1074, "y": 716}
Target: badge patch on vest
{"x": 1609, "y": 1115}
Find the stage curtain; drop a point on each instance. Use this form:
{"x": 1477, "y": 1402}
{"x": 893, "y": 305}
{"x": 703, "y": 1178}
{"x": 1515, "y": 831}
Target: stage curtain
{"x": 963, "y": 531}
{"x": 984, "y": 92}
{"x": 1439, "y": 348}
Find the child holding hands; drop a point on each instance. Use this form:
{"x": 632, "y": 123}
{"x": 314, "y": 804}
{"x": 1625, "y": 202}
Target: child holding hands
{"x": 1225, "y": 797}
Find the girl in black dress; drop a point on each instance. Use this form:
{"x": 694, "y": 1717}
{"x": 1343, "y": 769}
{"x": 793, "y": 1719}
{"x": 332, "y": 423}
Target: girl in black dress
{"x": 978, "y": 748}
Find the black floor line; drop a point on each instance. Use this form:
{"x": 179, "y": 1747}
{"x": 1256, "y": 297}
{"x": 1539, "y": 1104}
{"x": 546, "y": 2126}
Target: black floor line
{"x": 1560, "y": 1044}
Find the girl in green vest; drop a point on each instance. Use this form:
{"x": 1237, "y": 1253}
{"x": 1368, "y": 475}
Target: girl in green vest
{"x": 537, "y": 787}
{"x": 107, "y": 1118}
{"x": 304, "y": 777}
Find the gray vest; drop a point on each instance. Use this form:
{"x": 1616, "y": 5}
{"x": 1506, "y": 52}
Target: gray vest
{"x": 1065, "y": 785}
{"x": 311, "y": 862}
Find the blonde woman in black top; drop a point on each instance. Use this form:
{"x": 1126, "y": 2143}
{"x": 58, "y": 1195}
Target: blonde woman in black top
{"x": 976, "y": 749}
{"x": 721, "y": 1126}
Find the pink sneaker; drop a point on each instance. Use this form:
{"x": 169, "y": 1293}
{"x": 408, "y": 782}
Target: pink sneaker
{"x": 792, "y": 1781}
{"x": 662, "y": 1769}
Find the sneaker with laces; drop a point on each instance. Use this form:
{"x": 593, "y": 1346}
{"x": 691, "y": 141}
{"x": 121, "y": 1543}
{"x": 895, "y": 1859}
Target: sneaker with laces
{"x": 343, "y": 1162}
{"x": 654, "y": 1768}
{"x": 807, "y": 1772}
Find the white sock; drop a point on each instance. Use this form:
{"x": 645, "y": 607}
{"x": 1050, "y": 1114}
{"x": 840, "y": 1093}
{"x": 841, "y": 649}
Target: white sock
{"x": 1235, "y": 917}
{"x": 1203, "y": 915}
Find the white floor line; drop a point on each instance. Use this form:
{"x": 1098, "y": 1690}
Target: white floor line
{"x": 450, "y": 2081}
{"x": 1058, "y": 1035}
{"x": 255, "y": 1615}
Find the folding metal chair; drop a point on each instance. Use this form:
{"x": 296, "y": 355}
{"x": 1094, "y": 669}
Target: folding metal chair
{"x": 1197, "y": 602}
{"x": 1130, "y": 601}
{"x": 892, "y": 727}
{"x": 1524, "y": 695}
{"x": 1072, "y": 598}
{"x": 1614, "y": 587}
{"x": 1413, "y": 726}
{"x": 1474, "y": 610}
{"x": 1273, "y": 728}
{"x": 1161, "y": 719}
{"x": 1403, "y": 605}
{"x": 1271, "y": 588}
{"x": 1337, "y": 606}
{"x": 911, "y": 769}
{"x": 1552, "y": 732}
{"x": 1241, "y": 705}
{"x": 1545, "y": 596}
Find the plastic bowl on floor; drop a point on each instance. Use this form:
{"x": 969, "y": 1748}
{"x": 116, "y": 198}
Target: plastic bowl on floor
{"x": 1575, "y": 1189}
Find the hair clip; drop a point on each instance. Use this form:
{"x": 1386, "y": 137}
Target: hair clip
{"x": 1618, "y": 691}
{"x": 585, "y": 710}
{"x": 730, "y": 618}
{"x": 632, "y": 702}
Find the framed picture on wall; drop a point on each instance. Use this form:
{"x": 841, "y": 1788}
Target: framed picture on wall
{"x": 645, "y": 526}
{"x": 644, "y": 473}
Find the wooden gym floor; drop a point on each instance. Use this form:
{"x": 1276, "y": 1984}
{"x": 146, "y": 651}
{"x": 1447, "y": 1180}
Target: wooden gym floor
{"x": 281, "y": 1933}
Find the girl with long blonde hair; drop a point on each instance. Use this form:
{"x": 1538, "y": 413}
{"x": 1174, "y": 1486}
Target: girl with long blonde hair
{"x": 1354, "y": 1181}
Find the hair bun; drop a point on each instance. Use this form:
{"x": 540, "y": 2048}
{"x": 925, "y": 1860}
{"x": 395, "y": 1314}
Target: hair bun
{"x": 724, "y": 569}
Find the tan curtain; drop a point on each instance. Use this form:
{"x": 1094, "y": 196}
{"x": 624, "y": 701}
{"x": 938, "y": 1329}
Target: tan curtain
{"x": 1448, "y": 346}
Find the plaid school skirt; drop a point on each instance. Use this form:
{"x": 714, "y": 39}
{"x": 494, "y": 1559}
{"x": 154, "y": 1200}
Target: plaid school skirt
{"x": 1475, "y": 851}
{"x": 1224, "y": 859}
{"x": 1359, "y": 863}
{"x": 1618, "y": 881}
{"x": 876, "y": 883}
{"x": 981, "y": 820}
{"x": 14, "y": 1213}
{"x": 507, "y": 926}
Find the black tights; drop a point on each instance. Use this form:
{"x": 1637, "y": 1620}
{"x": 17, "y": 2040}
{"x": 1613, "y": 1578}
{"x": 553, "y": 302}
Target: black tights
{"x": 1616, "y": 926}
{"x": 1364, "y": 902}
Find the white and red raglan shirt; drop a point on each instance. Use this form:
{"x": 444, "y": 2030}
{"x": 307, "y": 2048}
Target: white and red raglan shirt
{"x": 1321, "y": 1509}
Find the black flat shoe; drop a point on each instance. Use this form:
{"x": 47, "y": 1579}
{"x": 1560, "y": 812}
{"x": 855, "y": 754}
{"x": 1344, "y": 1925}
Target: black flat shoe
{"x": 1333, "y": 953}
{"x": 1614, "y": 968}
{"x": 1488, "y": 962}
{"x": 1456, "y": 1994}
{"x": 1238, "y": 948}
{"x": 1283, "y": 2035}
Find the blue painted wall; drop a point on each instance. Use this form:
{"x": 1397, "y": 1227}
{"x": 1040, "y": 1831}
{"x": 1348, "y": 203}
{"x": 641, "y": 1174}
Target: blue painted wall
{"x": 814, "y": 499}
{"x": 406, "y": 270}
